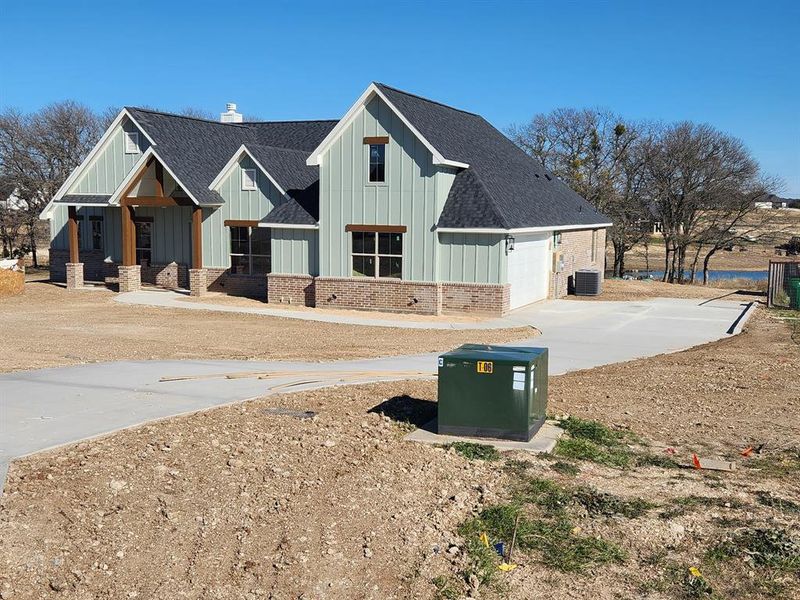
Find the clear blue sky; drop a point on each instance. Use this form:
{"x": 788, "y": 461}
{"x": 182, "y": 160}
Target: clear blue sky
{"x": 733, "y": 64}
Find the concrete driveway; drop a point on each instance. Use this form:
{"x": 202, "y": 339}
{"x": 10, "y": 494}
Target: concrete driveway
{"x": 50, "y": 407}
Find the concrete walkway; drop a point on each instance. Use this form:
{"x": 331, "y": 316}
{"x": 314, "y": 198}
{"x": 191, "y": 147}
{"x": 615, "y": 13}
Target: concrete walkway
{"x": 50, "y": 407}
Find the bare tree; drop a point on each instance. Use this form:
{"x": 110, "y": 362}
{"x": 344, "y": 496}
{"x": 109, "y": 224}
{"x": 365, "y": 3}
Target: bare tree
{"x": 603, "y": 158}
{"x": 38, "y": 152}
{"x": 693, "y": 170}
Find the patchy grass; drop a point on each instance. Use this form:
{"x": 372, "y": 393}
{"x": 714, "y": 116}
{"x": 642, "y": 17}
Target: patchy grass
{"x": 516, "y": 468}
{"x": 773, "y": 501}
{"x": 474, "y": 451}
{"x": 594, "y": 431}
{"x": 776, "y": 550}
{"x": 599, "y": 503}
{"x": 583, "y": 449}
{"x": 685, "y": 504}
{"x": 565, "y": 468}
{"x": 594, "y": 442}
{"x": 777, "y": 464}
{"x": 554, "y": 539}
{"x": 446, "y": 588}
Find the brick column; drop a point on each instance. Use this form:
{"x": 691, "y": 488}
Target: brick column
{"x": 130, "y": 278}
{"x": 74, "y": 276}
{"x": 198, "y": 282}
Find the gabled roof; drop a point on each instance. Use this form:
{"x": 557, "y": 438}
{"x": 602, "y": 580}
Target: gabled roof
{"x": 197, "y": 150}
{"x": 290, "y": 212}
{"x": 503, "y": 187}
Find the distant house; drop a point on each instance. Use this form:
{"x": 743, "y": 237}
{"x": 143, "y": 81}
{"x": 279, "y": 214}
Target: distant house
{"x": 12, "y": 201}
{"x": 773, "y": 201}
{"x": 404, "y": 204}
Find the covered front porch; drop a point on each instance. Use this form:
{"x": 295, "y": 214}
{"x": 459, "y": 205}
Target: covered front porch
{"x": 151, "y": 232}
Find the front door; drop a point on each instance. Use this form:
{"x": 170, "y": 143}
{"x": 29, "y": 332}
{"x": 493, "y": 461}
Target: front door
{"x": 144, "y": 241}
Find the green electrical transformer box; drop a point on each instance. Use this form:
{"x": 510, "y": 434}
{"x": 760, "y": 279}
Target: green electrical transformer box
{"x": 492, "y": 391}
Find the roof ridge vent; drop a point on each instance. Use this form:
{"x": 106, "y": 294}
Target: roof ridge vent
{"x": 230, "y": 115}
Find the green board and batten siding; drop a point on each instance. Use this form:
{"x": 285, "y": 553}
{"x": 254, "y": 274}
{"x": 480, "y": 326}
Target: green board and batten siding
{"x": 408, "y": 197}
{"x": 472, "y": 258}
{"x": 111, "y": 166}
{"x": 413, "y": 195}
{"x": 108, "y": 169}
{"x": 240, "y": 205}
{"x": 295, "y": 251}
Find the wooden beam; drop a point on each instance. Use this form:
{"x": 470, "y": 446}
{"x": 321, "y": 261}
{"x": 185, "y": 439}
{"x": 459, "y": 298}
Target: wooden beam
{"x": 74, "y": 252}
{"x": 197, "y": 238}
{"x": 377, "y": 228}
{"x": 155, "y": 201}
{"x": 126, "y": 234}
{"x": 240, "y": 223}
{"x": 159, "y": 180}
{"x": 381, "y": 139}
{"x": 138, "y": 178}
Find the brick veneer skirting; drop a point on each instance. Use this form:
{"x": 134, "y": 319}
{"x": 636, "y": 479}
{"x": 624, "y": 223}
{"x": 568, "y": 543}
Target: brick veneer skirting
{"x": 168, "y": 276}
{"x": 480, "y": 298}
{"x": 222, "y": 280}
{"x": 420, "y": 297}
{"x": 95, "y": 267}
{"x": 285, "y": 288}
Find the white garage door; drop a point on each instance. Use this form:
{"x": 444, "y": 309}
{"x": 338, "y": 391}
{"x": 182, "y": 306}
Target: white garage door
{"x": 529, "y": 268}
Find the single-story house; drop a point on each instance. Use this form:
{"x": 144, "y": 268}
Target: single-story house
{"x": 404, "y": 204}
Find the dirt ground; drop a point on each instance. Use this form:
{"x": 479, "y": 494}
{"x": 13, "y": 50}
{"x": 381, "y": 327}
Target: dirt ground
{"x": 235, "y": 503}
{"x": 48, "y": 326}
{"x": 631, "y": 289}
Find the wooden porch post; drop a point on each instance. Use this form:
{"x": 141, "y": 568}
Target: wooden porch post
{"x": 197, "y": 237}
{"x": 74, "y": 252}
{"x": 128, "y": 237}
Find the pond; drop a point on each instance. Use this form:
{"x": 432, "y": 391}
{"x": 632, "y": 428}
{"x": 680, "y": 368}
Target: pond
{"x": 712, "y": 275}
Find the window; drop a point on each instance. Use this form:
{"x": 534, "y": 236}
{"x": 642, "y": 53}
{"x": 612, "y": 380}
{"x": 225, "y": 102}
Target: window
{"x": 377, "y": 254}
{"x": 131, "y": 142}
{"x": 250, "y": 250}
{"x": 97, "y": 232}
{"x": 144, "y": 240}
{"x": 557, "y": 239}
{"x": 594, "y": 245}
{"x": 248, "y": 179}
{"x": 377, "y": 163}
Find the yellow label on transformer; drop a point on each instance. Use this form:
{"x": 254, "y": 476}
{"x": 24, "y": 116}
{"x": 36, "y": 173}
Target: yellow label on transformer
{"x": 485, "y": 366}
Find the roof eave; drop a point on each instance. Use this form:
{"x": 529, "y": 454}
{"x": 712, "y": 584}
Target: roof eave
{"x": 522, "y": 230}
{"x": 288, "y": 225}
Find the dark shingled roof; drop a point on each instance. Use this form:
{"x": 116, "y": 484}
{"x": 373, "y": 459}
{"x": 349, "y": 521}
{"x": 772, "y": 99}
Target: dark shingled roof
{"x": 291, "y": 212}
{"x": 84, "y": 199}
{"x": 503, "y": 187}
{"x": 196, "y": 150}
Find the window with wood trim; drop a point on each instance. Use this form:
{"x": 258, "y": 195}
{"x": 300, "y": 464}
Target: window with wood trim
{"x": 249, "y": 179}
{"x": 250, "y": 250}
{"x": 131, "y": 142}
{"x": 144, "y": 240}
{"x": 377, "y": 163}
{"x": 377, "y": 254}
